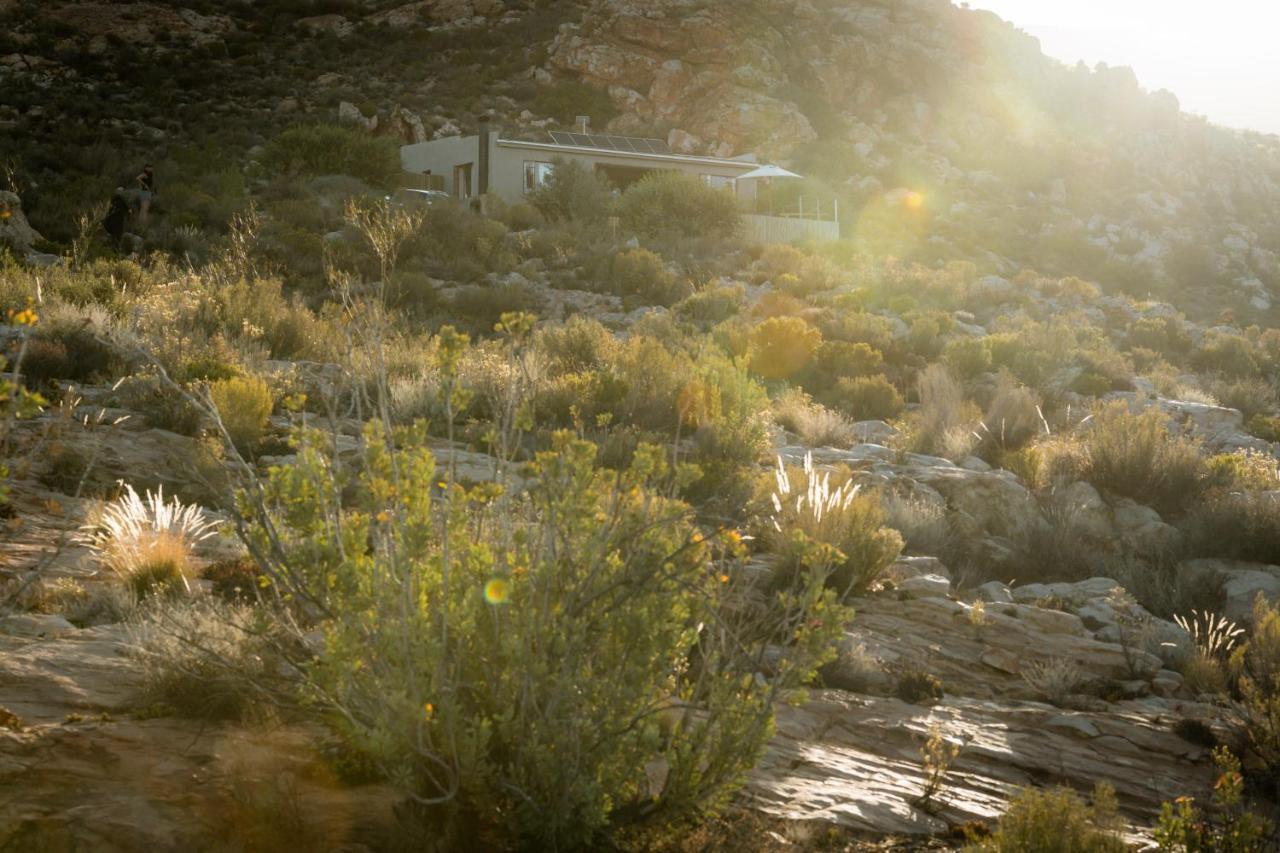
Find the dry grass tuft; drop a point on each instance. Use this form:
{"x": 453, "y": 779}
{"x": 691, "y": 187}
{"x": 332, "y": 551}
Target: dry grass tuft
{"x": 815, "y": 424}
{"x": 147, "y": 542}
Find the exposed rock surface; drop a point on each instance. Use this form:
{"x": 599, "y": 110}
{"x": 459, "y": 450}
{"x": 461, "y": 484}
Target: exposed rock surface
{"x": 14, "y": 228}
{"x": 855, "y": 760}
{"x": 674, "y": 63}
{"x": 80, "y": 773}
{"x": 1242, "y": 582}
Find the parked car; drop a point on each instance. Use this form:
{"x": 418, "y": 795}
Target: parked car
{"x": 414, "y": 198}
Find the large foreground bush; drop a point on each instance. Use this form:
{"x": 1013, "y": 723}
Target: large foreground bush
{"x": 531, "y": 669}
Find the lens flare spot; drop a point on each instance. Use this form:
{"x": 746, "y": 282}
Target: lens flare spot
{"x": 914, "y": 201}
{"x": 497, "y": 591}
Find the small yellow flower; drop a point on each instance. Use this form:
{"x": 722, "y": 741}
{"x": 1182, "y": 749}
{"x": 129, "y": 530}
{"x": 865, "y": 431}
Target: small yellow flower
{"x": 384, "y": 516}
{"x": 428, "y": 710}
{"x": 497, "y": 591}
{"x": 25, "y": 317}
{"x": 724, "y": 579}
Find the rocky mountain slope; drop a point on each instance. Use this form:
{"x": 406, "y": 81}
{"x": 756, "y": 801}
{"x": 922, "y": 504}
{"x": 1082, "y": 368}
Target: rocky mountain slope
{"x": 1028, "y": 623}
{"x": 1019, "y": 159}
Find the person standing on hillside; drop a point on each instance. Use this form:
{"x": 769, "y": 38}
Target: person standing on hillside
{"x": 117, "y": 215}
{"x": 146, "y": 191}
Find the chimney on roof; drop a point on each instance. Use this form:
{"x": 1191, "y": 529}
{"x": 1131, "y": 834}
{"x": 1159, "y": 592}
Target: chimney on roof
{"x": 483, "y": 180}
{"x": 584, "y": 124}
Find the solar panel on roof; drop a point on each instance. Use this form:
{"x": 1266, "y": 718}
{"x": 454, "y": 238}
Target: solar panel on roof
{"x": 609, "y": 142}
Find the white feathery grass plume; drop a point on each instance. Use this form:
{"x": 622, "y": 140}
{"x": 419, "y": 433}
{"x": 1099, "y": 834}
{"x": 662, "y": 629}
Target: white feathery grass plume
{"x": 134, "y": 532}
{"x": 817, "y": 500}
{"x": 1213, "y": 635}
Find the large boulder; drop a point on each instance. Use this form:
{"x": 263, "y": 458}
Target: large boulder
{"x": 1241, "y": 583}
{"x": 15, "y": 231}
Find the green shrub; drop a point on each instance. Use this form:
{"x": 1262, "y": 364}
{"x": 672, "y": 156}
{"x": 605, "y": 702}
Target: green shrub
{"x": 1013, "y": 417}
{"x": 782, "y": 346}
{"x": 574, "y": 193}
{"x": 1228, "y": 354}
{"x": 565, "y": 100}
{"x": 203, "y": 658}
{"x": 161, "y": 405}
{"x": 324, "y": 149}
{"x": 858, "y": 327}
{"x": 1091, "y": 384}
{"x": 967, "y": 357}
{"x": 579, "y": 344}
{"x": 867, "y": 398}
{"x": 1185, "y": 828}
{"x": 728, "y": 445}
{"x": 1240, "y": 525}
{"x": 836, "y": 360}
{"x": 482, "y": 305}
{"x": 814, "y": 424}
{"x": 1247, "y": 470}
{"x": 1256, "y": 666}
{"x": 244, "y": 405}
{"x": 917, "y": 687}
{"x": 1058, "y": 821}
{"x": 711, "y": 306}
{"x": 413, "y": 293}
{"x": 797, "y": 273}
{"x": 1264, "y": 427}
{"x": 1252, "y": 396}
{"x": 521, "y": 217}
{"x": 257, "y": 310}
{"x": 1166, "y": 335}
{"x": 526, "y": 658}
{"x": 643, "y": 275}
{"x": 677, "y": 205}
{"x": 460, "y": 245}
{"x": 945, "y": 422}
{"x": 1135, "y": 455}
{"x": 809, "y": 510}
{"x": 925, "y": 337}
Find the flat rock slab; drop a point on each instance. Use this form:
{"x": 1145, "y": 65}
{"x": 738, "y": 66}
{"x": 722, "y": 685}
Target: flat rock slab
{"x": 77, "y": 772}
{"x": 83, "y": 672}
{"x": 855, "y": 760}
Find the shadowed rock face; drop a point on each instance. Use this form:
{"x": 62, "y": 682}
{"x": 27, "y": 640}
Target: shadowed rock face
{"x": 704, "y": 69}
{"x": 15, "y": 231}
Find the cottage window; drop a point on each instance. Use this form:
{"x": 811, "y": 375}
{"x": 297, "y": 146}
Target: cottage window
{"x": 536, "y": 175}
{"x": 720, "y": 182}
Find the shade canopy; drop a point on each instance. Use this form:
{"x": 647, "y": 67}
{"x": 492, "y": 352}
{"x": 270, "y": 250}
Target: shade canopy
{"x": 768, "y": 172}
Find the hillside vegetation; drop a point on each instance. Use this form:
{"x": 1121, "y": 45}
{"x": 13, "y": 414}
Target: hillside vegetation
{"x": 583, "y": 522}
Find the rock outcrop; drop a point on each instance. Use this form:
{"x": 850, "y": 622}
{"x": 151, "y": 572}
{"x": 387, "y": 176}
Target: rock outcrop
{"x": 694, "y": 67}
{"x": 15, "y": 231}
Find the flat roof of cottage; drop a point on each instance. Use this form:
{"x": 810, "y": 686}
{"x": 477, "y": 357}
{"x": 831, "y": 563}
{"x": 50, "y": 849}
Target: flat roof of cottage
{"x": 624, "y": 146}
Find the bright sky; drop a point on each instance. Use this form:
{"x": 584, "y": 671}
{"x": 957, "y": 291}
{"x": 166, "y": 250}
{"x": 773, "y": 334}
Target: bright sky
{"x": 1221, "y": 58}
